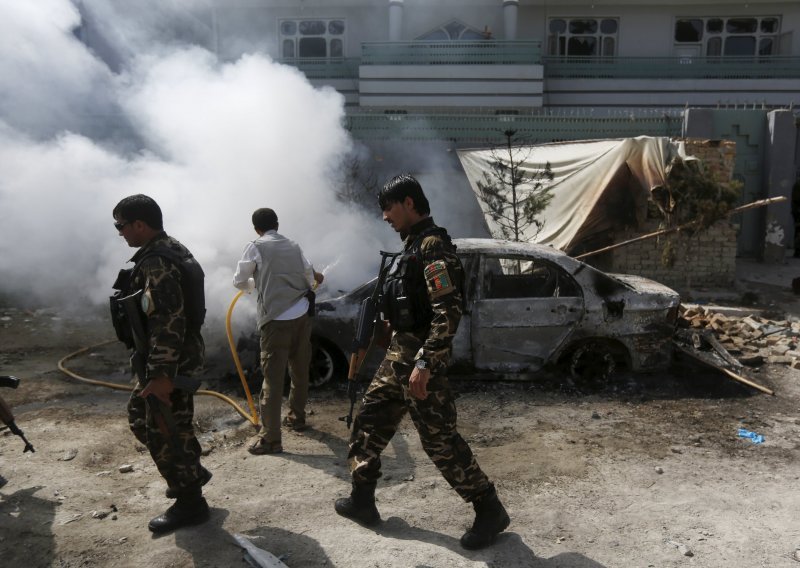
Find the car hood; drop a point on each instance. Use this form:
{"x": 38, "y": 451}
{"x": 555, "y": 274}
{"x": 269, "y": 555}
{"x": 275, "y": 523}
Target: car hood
{"x": 642, "y": 285}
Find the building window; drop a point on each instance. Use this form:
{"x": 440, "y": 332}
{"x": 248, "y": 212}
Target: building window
{"x": 319, "y": 39}
{"x": 586, "y": 37}
{"x": 729, "y": 36}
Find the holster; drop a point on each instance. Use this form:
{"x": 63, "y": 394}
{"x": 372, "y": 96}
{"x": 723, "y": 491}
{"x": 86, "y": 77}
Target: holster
{"x": 311, "y": 296}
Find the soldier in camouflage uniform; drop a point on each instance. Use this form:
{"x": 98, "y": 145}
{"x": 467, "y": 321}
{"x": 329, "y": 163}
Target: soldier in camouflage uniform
{"x": 160, "y": 415}
{"x": 423, "y": 303}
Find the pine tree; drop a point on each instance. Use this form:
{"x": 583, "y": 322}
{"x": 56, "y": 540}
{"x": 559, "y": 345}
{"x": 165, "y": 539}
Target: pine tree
{"x": 514, "y": 196}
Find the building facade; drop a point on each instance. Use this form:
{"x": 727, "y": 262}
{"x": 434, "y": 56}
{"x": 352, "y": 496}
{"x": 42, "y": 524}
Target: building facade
{"x": 529, "y": 55}
{"x": 448, "y": 74}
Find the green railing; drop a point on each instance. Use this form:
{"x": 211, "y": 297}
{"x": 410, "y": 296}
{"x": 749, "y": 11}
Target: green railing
{"x": 451, "y": 53}
{"x": 771, "y": 67}
{"x": 326, "y": 68}
{"x": 522, "y": 52}
{"x": 484, "y": 128}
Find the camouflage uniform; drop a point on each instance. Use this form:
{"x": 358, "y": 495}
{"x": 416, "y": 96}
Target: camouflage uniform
{"x": 173, "y": 349}
{"x": 388, "y": 397}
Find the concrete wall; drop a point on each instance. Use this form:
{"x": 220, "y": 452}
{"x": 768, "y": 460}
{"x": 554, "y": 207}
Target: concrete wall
{"x": 491, "y": 86}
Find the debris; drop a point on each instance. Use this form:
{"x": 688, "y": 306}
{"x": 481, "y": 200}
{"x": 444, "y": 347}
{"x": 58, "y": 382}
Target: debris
{"x": 753, "y": 338}
{"x": 100, "y": 514}
{"x": 126, "y": 468}
{"x": 752, "y": 360}
{"x": 659, "y": 470}
{"x": 755, "y": 438}
{"x": 103, "y": 473}
{"x": 68, "y": 455}
{"x": 258, "y": 556}
{"x": 682, "y": 548}
{"x": 716, "y": 362}
{"x": 73, "y": 518}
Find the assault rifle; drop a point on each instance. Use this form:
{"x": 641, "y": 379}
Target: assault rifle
{"x": 6, "y": 415}
{"x": 366, "y": 332}
{"x": 162, "y": 414}
{"x": 138, "y": 342}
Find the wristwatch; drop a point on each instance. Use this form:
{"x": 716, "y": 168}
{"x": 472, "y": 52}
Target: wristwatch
{"x": 421, "y": 364}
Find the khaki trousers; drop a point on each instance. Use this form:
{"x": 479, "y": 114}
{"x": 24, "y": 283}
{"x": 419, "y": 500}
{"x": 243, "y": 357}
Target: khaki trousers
{"x": 284, "y": 342}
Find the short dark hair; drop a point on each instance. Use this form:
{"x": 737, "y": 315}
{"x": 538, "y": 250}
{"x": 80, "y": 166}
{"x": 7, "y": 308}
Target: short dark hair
{"x": 398, "y": 188}
{"x": 140, "y": 207}
{"x": 265, "y": 219}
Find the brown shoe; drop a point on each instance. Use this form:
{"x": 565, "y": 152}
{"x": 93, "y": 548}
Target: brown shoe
{"x": 259, "y": 447}
{"x": 296, "y": 425}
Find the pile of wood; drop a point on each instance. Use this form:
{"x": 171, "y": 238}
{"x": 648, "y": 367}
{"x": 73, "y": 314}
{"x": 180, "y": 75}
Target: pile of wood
{"x": 751, "y": 340}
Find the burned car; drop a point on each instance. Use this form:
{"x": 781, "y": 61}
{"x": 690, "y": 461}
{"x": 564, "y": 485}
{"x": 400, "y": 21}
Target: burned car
{"x": 528, "y": 307}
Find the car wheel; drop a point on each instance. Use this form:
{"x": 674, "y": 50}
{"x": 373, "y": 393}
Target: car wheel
{"x": 592, "y": 364}
{"x": 324, "y": 364}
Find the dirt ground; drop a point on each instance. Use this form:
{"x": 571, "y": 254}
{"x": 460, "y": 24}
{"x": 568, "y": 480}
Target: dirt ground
{"x": 647, "y": 473}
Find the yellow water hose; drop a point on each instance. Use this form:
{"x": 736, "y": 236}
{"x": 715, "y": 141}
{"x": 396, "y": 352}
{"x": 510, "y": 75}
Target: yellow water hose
{"x": 253, "y": 414}
{"x": 252, "y": 417}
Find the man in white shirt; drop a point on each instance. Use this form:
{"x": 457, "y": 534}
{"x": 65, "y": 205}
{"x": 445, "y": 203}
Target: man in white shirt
{"x": 282, "y": 276}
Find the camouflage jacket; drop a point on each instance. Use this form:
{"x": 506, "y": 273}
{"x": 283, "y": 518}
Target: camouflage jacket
{"x": 173, "y": 348}
{"x": 444, "y": 281}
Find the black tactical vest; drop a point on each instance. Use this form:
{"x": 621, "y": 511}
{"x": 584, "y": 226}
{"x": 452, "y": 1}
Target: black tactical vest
{"x": 405, "y": 292}
{"x": 192, "y": 288}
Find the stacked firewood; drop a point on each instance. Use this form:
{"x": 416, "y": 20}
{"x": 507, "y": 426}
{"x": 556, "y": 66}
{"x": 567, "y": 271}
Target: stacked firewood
{"x": 751, "y": 339}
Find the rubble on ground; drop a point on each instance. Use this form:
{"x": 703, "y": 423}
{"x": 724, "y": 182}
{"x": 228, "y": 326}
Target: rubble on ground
{"x": 751, "y": 339}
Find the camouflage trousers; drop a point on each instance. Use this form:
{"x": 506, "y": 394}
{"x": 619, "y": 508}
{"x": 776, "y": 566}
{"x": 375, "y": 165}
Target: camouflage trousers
{"x": 181, "y": 469}
{"x": 386, "y": 402}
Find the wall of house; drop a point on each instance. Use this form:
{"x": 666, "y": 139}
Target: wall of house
{"x": 706, "y": 258}
{"x": 646, "y": 28}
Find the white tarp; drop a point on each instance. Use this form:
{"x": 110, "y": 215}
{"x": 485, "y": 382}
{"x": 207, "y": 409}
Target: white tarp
{"x": 596, "y": 182}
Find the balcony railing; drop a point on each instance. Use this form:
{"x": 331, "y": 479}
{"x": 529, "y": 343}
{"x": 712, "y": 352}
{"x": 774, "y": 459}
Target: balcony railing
{"x": 727, "y": 67}
{"x": 486, "y": 128}
{"x": 487, "y": 52}
{"x": 326, "y": 68}
{"x": 522, "y": 52}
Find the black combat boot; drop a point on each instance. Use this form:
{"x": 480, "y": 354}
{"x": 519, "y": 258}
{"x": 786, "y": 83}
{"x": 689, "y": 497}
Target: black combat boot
{"x": 187, "y": 510}
{"x": 360, "y": 506}
{"x": 491, "y": 519}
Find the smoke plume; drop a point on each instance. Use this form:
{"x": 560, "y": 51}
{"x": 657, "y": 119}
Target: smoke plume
{"x": 149, "y": 108}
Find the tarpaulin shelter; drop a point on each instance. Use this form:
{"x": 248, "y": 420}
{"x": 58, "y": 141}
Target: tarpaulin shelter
{"x": 598, "y": 185}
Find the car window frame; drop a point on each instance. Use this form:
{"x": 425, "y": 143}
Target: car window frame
{"x": 538, "y": 261}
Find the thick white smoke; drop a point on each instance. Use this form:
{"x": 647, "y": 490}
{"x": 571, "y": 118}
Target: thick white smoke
{"x": 211, "y": 141}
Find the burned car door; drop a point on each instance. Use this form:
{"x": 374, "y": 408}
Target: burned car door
{"x": 524, "y": 308}
{"x": 462, "y": 344}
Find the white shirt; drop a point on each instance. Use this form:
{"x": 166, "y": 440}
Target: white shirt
{"x": 251, "y": 261}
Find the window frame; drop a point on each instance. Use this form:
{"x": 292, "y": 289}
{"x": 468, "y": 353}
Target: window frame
{"x": 714, "y": 43}
{"x": 558, "y": 43}
{"x": 296, "y": 38}
{"x": 559, "y": 283}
